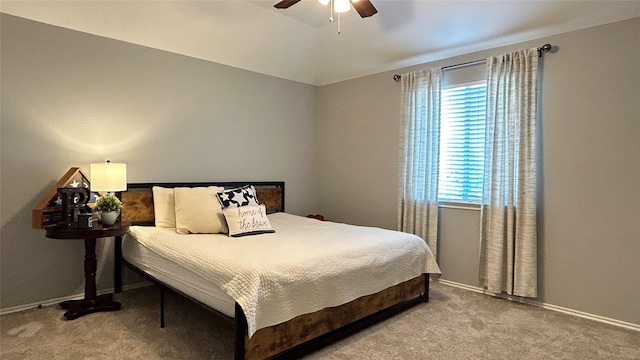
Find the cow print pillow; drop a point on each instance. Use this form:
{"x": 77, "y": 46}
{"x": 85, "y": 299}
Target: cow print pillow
{"x": 238, "y": 197}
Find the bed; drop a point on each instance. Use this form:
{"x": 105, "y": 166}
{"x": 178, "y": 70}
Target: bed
{"x": 287, "y": 291}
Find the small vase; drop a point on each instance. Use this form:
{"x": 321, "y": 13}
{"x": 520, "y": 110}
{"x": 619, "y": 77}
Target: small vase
{"x": 109, "y": 217}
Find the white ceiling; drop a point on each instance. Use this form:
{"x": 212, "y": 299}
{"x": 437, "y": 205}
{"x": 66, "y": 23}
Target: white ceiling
{"x": 300, "y": 44}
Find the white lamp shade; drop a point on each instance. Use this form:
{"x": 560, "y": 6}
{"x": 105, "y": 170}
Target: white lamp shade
{"x": 108, "y": 177}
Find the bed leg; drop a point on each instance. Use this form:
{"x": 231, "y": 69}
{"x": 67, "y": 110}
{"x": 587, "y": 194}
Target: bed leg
{"x": 117, "y": 265}
{"x": 426, "y": 288}
{"x": 241, "y": 332}
{"x": 162, "y": 307}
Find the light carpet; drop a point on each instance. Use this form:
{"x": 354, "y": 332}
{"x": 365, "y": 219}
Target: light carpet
{"x": 455, "y": 324}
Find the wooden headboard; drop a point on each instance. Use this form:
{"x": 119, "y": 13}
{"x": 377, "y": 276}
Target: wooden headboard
{"x": 137, "y": 201}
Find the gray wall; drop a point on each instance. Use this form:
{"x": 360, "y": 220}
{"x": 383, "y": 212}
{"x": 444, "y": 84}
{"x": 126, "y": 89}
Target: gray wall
{"x": 590, "y": 166}
{"x": 70, "y": 99}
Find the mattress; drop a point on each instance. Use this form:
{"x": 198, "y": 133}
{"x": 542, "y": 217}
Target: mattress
{"x": 177, "y": 276}
{"x": 305, "y": 266}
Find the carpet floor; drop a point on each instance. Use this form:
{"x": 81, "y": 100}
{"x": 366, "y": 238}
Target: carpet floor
{"x": 455, "y": 324}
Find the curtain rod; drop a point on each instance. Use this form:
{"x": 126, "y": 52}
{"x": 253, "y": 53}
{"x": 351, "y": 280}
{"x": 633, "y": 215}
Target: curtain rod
{"x": 542, "y": 49}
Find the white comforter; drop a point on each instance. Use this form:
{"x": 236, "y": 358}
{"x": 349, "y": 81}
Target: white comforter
{"x": 305, "y": 266}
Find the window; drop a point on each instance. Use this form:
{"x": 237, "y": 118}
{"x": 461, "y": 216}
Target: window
{"x": 462, "y": 123}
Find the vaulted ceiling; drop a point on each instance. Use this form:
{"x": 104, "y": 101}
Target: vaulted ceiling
{"x": 301, "y": 44}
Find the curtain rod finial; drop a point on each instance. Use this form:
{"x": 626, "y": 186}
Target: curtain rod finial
{"x": 397, "y": 77}
{"x": 545, "y": 47}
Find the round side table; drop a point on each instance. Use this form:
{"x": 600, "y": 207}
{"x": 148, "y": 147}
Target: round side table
{"x": 91, "y": 302}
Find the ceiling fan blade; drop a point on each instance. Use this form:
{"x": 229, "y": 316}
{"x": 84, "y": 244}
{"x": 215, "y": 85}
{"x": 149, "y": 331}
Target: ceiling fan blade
{"x": 364, "y": 7}
{"x": 285, "y": 4}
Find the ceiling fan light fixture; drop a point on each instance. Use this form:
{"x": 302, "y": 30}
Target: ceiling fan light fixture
{"x": 341, "y": 6}
{"x": 324, "y": 2}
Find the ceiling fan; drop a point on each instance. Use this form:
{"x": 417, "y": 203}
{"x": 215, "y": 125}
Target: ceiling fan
{"x": 364, "y": 7}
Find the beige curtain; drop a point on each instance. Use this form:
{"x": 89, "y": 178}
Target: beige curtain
{"x": 419, "y": 151}
{"x": 508, "y": 251}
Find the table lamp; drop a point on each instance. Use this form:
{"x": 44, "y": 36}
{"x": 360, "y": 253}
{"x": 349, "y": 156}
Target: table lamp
{"x": 108, "y": 178}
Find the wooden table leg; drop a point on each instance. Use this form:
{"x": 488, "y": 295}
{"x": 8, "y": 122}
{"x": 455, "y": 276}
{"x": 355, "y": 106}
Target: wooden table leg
{"x": 91, "y": 302}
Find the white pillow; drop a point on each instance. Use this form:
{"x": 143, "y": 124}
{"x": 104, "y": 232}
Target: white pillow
{"x": 164, "y": 207}
{"x": 198, "y": 211}
{"x": 247, "y": 220}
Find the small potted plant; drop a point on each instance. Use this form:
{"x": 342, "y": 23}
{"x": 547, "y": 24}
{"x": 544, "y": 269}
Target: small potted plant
{"x": 109, "y": 206}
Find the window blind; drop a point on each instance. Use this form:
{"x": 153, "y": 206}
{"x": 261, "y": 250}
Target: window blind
{"x": 463, "y": 116}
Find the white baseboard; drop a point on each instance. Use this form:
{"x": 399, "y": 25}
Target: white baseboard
{"x": 606, "y": 320}
{"x": 73, "y": 297}
{"x": 602, "y": 319}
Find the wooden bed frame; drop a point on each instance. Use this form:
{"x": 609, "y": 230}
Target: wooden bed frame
{"x": 300, "y": 335}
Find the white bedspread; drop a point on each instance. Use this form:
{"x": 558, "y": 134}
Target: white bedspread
{"x": 305, "y": 266}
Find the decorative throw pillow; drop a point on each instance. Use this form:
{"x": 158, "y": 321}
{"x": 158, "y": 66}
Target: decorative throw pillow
{"x": 164, "y": 208}
{"x": 241, "y": 196}
{"x": 198, "y": 211}
{"x": 247, "y": 220}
